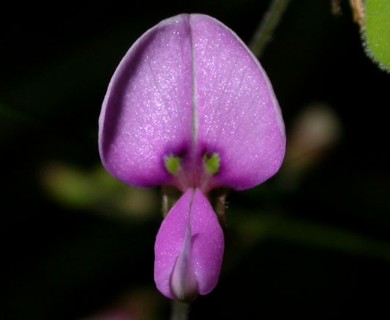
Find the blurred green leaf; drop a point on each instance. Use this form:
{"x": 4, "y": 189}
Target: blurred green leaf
{"x": 97, "y": 191}
{"x": 376, "y": 33}
{"x": 303, "y": 232}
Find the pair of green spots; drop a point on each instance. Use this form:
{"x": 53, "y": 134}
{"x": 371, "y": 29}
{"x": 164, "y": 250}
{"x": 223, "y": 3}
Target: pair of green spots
{"x": 211, "y": 164}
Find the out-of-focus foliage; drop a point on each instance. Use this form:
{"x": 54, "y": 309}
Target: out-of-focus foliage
{"x": 313, "y": 242}
{"x": 376, "y": 31}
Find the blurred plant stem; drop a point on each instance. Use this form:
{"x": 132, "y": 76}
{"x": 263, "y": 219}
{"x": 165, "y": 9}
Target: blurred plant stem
{"x": 179, "y": 310}
{"x": 267, "y": 26}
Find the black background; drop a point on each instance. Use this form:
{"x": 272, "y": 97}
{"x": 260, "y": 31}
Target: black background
{"x": 67, "y": 262}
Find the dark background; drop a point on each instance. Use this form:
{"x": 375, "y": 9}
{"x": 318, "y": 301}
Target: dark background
{"x": 309, "y": 243}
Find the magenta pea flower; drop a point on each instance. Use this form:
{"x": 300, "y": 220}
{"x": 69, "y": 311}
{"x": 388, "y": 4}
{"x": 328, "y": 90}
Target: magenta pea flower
{"x": 189, "y": 106}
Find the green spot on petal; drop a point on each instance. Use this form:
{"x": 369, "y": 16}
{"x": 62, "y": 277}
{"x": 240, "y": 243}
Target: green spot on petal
{"x": 212, "y": 163}
{"x": 172, "y": 164}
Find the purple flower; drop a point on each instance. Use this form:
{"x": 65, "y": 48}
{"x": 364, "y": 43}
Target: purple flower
{"x": 189, "y": 106}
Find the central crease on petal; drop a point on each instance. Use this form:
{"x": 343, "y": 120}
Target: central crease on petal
{"x": 184, "y": 285}
{"x": 195, "y": 116}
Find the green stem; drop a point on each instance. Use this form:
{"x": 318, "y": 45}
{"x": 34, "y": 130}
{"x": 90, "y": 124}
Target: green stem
{"x": 180, "y": 310}
{"x": 267, "y": 26}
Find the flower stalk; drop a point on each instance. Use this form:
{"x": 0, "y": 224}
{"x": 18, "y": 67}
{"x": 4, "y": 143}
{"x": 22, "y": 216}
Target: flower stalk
{"x": 265, "y": 30}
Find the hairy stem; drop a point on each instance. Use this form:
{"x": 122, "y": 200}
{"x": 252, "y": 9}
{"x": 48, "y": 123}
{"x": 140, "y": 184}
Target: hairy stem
{"x": 267, "y": 26}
